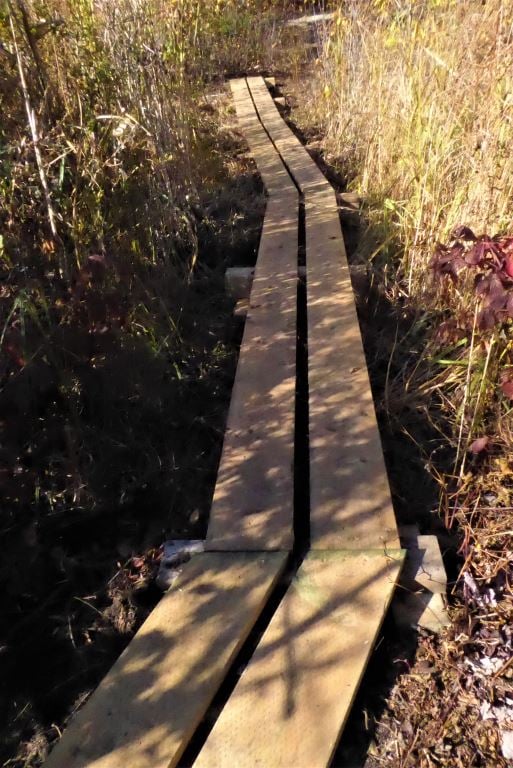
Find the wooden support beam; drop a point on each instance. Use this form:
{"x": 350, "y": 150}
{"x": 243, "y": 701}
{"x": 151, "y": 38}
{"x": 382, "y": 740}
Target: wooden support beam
{"x": 424, "y": 567}
{"x": 421, "y": 601}
{"x": 238, "y": 281}
{"x": 422, "y": 609}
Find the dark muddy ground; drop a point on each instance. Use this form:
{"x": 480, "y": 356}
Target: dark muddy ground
{"x": 78, "y": 579}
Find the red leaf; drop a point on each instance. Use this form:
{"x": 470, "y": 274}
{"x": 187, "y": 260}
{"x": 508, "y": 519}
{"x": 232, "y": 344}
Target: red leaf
{"x": 486, "y": 319}
{"x": 508, "y": 265}
{"x": 96, "y": 258}
{"x": 497, "y": 294}
{"x": 15, "y": 355}
{"x": 507, "y": 388}
{"x": 479, "y": 445}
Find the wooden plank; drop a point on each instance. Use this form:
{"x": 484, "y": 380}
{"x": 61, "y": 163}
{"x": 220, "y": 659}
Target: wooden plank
{"x": 291, "y": 702}
{"x": 350, "y": 498}
{"x": 305, "y": 171}
{"x": 270, "y": 166}
{"x": 146, "y": 709}
{"x": 252, "y": 508}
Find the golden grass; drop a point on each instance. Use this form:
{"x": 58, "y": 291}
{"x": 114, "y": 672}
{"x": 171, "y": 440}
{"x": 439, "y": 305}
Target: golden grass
{"x": 416, "y": 102}
{"x": 95, "y": 94}
{"x": 417, "y": 99}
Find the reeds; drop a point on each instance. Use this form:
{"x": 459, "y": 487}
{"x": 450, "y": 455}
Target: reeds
{"x": 415, "y": 100}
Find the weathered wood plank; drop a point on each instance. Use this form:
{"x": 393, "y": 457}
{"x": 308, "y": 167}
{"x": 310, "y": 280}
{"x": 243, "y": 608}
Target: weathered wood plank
{"x": 146, "y": 709}
{"x": 252, "y": 508}
{"x": 305, "y": 171}
{"x": 291, "y": 702}
{"x": 350, "y": 498}
{"x": 270, "y": 166}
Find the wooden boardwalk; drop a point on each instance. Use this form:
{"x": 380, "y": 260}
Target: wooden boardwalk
{"x": 289, "y": 707}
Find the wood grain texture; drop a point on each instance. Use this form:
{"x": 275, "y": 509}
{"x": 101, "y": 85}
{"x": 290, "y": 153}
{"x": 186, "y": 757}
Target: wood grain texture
{"x": 350, "y": 502}
{"x": 274, "y": 175}
{"x": 291, "y": 702}
{"x": 146, "y": 709}
{"x": 307, "y": 174}
{"x": 252, "y": 508}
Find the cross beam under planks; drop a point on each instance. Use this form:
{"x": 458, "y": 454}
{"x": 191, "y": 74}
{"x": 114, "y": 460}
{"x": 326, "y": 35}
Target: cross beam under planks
{"x": 350, "y": 503}
{"x": 292, "y": 701}
{"x": 252, "y": 508}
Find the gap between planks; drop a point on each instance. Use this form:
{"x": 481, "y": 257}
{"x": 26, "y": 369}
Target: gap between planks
{"x": 292, "y": 700}
{"x": 350, "y": 502}
{"x": 311, "y": 657}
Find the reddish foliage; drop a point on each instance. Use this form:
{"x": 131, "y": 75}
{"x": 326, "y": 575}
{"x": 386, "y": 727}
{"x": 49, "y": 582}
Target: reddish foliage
{"x": 492, "y": 259}
{"x": 507, "y": 387}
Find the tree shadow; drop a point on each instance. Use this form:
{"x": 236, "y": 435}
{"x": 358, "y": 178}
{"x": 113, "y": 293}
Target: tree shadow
{"x": 111, "y": 436}
{"x": 147, "y": 708}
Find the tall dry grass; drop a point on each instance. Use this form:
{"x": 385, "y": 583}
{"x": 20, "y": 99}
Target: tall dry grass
{"x": 86, "y": 84}
{"x": 115, "y": 355}
{"x": 417, "y": 101}
{"x": 105, "y": 149}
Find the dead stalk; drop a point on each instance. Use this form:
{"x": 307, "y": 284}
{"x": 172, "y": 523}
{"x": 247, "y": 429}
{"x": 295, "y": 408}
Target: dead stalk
{"x": 34, "y": 130}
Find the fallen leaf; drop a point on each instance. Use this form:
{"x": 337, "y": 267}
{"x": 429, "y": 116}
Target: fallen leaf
{"x": 507, "y": 744}
{"x": 479, "y": 445}
{"x": 507, "y": 388}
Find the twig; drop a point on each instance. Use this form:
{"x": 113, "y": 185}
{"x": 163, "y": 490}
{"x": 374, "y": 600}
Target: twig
{"x": 32, "y": 120}
{"x": 503, "y": 668}
{"x": 465, "y": 399}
